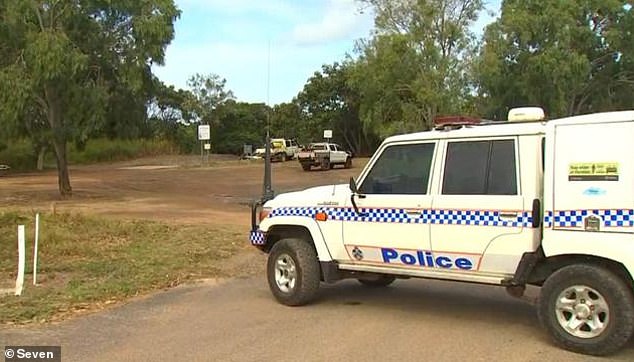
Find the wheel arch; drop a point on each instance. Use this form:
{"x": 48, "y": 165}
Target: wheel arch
{"x": 304, "y": 231}
{"x": 547, "y": 266}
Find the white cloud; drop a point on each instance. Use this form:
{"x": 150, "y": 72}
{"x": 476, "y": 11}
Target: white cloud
{"x": 340, "y": 20}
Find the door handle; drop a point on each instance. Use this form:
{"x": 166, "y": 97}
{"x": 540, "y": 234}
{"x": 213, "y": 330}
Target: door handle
{"x": 508, "y": 215}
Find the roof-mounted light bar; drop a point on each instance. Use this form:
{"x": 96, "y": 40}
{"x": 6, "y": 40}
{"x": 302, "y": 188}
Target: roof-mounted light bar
{"x": 455, "y": 121}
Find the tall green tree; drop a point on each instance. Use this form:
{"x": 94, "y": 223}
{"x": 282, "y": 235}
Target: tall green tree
{"x": 285, "y": 119}
{"x": 569, "y": 56}
{"x": 328, "y": 101}
{"x": 67, "y": 57}
{"x": 418, "y": 64}
{"x": 208, "y": 92}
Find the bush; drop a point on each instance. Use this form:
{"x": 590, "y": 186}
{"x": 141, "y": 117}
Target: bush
{"x": 18, "y": 154}
{"x": 106, "y": 150}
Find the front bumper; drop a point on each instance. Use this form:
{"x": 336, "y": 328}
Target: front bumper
{"x": 257, "y": 237}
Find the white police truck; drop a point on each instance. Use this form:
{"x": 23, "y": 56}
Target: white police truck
{"x": 521, "y": 202}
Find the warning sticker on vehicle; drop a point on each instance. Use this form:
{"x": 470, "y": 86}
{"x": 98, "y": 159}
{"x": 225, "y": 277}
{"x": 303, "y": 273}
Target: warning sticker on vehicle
{"x": 593, "y": 171}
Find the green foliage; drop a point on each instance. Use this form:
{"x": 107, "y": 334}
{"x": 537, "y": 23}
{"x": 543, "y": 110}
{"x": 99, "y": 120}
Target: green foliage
{"x": 106, "y": 150}
{"x": 569, "y": 57}
{"x": 417, "y": 66}
{"x": 19, "y": 154}
{"x": 239, "y": 124}
{"x": 72, "y": 65}
{"x": 329, "y": 101}
{"x": 207, "y": 92}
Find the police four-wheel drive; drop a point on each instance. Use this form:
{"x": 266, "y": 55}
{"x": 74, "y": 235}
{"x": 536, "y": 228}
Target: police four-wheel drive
{"x": 515, "y": 203}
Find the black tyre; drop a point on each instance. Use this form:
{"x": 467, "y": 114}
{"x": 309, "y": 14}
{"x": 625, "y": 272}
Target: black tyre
{"x": 293, "y": 272}
{"x": 587, "y": 309}
{"x": 348, "y": 163}
{"x": 378, "y": 281}
{"x": 306, "y": 166}
{"x": 325, "y": 164}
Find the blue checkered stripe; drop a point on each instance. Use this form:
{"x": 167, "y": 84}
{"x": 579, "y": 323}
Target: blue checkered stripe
{"x": 257, "y": 237}
{"x": 575, "y": 218}
{"x": 479, "y": 218}
{"x": 394, "y": 215}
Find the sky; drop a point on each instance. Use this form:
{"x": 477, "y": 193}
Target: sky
{"x": 266, "y": 49}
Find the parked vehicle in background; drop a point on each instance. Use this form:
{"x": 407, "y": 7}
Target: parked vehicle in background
{"x": 292, "y": 149}
{"x": 281, "y": 149}
{"x": 4, "y": 169}
{"x": 324, "y": 155}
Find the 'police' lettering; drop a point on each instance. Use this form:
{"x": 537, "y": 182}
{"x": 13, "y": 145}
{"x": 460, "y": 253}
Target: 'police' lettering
{"x": 425, "y": 258}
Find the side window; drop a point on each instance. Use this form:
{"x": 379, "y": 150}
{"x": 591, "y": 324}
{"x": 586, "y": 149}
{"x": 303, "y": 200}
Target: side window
{"x": 333, "y": 148}
{"x": 480, "y": 168}
{"x": 402, "y": 170}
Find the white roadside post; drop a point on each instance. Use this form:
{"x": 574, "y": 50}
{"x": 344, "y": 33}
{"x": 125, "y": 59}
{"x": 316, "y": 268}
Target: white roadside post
{"x": 19, "y": 282}
{"x": 37, "y": 236}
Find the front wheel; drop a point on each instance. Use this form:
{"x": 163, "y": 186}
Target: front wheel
{"x": 293, "y": 272}
{"x": 587, "y": 309}
{"x": 348, "y": 163}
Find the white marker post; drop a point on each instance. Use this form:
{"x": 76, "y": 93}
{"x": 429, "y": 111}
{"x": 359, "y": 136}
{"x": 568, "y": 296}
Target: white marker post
{"x": 37, "y": 236}
{"x": 19, "y": 282}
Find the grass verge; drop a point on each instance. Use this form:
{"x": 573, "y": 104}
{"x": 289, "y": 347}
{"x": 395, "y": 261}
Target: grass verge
{"x": 88, "y": 262}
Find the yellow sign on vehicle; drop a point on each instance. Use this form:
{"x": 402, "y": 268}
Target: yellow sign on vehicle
{"x": 593, "y": 171}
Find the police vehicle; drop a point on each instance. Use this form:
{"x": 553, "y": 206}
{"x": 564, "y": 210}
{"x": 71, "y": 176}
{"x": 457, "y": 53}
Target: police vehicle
{"x": 528, "y": 201}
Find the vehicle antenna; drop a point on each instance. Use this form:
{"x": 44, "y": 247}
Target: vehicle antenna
{"x": 267, "y": 192}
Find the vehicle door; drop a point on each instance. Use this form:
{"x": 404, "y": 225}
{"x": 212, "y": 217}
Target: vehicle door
{"x": 390, "y": 228}
{"x": 481, "y": 212}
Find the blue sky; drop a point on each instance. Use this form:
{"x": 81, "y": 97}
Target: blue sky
{"x": 231, "y": 38}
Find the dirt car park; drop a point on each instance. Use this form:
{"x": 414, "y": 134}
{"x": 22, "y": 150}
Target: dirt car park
{"x": 236, "y": 319}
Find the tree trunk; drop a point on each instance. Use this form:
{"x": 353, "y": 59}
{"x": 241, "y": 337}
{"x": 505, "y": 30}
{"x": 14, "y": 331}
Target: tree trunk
{"x": 54, "y": 115}
{"x": 63, "y": 177}
{"x": 41, "y": 152}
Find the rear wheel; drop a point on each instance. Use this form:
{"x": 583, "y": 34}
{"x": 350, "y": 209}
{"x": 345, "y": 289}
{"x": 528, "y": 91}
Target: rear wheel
{"x": 348, "y": 163}
{"x": 293, "y": 272}
{"x": 587, "y": 309}
{"x": 325, "y": 164}
{"x": 378, "y": 281}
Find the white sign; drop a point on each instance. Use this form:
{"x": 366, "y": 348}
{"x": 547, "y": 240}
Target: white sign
{"x": 204, "y": 132}
{"x": 207, "y": 146}
{"x": 328, "y": 133}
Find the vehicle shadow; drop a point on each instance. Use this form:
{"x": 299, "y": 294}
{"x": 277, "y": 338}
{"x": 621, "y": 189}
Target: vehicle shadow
{"x": 469, "y": 303}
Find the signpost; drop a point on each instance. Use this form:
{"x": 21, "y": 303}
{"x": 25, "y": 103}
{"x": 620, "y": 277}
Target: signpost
{"x": 204, "y": 134}
{"x": 328, "y": 134}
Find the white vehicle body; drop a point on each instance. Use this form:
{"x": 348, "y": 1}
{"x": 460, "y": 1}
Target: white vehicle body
{"x": 506, "y": 203}
{"x": 325, "y": 155}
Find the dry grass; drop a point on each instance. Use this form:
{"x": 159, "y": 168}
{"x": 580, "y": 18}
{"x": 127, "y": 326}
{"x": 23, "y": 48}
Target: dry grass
{"x": 88, "y": 262}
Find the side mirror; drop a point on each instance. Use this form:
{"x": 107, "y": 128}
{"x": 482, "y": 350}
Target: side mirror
{"x": 353, "y": 186}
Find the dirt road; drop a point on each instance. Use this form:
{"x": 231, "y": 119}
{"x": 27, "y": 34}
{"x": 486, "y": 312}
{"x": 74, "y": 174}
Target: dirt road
{"x": 237, "y": 319}
{"x": 173, "y": 189}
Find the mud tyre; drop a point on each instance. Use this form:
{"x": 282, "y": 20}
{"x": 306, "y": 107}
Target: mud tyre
{"x": 293, "y": 272}
{"x": 587, "y": 309}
